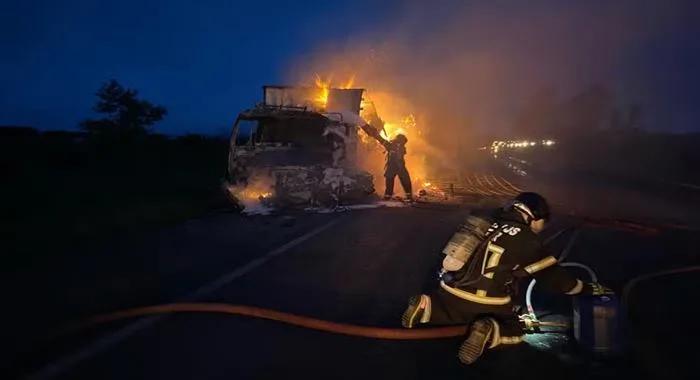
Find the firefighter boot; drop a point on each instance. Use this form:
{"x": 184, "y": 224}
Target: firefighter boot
{"x": 417, "y": 311}
{"x": 473, "y": 347}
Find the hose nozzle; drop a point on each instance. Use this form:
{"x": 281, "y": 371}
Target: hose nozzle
{"x": 532, "y": 324}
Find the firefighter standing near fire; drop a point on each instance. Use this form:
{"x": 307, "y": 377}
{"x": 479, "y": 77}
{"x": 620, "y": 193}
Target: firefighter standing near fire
{"x": 395, "y": 162}
{"x": 479, "y": 275}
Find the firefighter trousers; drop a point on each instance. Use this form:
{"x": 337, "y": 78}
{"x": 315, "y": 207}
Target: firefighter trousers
{"x": 390, "y": 175}
{"x": 446, "y": 309}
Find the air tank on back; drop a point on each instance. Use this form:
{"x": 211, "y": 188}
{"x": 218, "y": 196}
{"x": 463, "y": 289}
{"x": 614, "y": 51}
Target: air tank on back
{"x": 464, "y": 242}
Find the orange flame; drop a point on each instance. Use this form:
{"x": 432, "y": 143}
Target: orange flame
{"x": 398, "y": 120}
{"x": 324, "y": 87}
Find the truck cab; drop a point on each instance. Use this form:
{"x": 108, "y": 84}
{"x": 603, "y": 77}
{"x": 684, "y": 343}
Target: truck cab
{"x": 294, "y": 150}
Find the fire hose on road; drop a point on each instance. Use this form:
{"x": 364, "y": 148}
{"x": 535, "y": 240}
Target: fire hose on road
{"x": 323, "y": 325}
{"x": 341, "y": 328}
{"x": 292, "y": 319}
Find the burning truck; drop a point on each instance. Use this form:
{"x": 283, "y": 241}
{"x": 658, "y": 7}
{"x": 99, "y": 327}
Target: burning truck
{"x": 292, "y": 150}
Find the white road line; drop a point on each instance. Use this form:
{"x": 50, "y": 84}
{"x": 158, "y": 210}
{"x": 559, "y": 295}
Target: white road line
{"x": 487, "y": 180}
{"x": 503, "y": 182}
{"x": 502, "y": 189}
{"x": 494, "y": 189}
{"x": 469, "y": 180}
{"x": 69, "y": 362}
{"x": 510, "y": 184}
{"x": 484, "y": 188}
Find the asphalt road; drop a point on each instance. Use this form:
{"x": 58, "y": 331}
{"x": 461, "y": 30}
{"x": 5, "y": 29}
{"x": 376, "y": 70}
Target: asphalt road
{"x": 597, "y": 193}
{"x": 357, "y": 267}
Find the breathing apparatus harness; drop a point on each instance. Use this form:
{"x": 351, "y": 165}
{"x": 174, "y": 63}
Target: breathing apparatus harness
{"x": 474, "y": 241}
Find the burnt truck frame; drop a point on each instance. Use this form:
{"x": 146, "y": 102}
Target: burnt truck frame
{"x": 304, "y": 155}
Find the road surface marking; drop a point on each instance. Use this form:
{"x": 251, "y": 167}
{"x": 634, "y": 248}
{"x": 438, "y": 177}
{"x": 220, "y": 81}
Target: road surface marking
{"x": 490, "y": 185}
{"x": 498, "y": 189}
{"x": 68, "y": 362}
{"x": 510, "y": 184}
{"x": 484, "y": 188}
{"x": 504, "y": 190}
{"x": 469, "y": 180}
{"x": 472, "y": 186}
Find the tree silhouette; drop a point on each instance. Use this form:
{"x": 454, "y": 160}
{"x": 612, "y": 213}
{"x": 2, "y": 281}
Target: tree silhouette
{"x": 125, "y": 115}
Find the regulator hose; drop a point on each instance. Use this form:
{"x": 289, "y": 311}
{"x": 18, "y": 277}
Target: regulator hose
{"x": 564, "y": 254}
{"x": 531, "y": 286}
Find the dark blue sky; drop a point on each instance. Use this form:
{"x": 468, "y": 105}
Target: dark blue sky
{"x": 207, "y": 59}
{"x": 204, "y": 60}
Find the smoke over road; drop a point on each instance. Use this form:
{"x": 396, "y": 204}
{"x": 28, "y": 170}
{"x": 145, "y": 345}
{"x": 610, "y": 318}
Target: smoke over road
{"x": 464, "y": 68}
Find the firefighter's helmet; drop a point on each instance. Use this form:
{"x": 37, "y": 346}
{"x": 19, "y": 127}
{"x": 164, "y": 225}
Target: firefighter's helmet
{"x": 401, "y": 138}
{"x": 532, "y": 204}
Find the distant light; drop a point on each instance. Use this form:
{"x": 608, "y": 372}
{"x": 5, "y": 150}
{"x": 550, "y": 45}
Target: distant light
{"x": 496, "y": 144}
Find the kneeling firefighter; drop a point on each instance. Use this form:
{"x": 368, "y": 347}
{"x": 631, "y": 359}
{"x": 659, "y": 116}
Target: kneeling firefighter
{"x": 484, "y": 261}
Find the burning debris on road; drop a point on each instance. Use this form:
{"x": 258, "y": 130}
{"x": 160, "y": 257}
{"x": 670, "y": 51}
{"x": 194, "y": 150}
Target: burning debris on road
{"x": 432, "y": 192}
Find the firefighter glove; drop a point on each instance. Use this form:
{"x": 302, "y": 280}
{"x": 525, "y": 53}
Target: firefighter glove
{"x": 597, "y": 289}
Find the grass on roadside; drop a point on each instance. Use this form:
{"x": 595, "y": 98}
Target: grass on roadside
{"x": 50, "y": 206}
